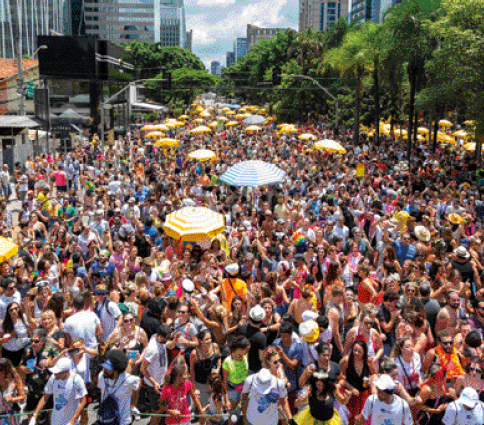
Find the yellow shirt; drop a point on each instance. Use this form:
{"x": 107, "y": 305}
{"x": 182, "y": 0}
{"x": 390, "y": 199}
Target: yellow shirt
{"x": 239, "y": 286}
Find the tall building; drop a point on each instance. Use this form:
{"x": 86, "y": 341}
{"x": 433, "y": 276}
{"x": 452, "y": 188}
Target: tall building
{"x": 366, "y": 10}
{"x": 122, "y": 21}
{"x": 27, "y": 19}
{"x": 256, "y": 34}
{"x": 229, "y": 59}
{"x": 321, "y": 15}
{"x": 189, "y": 40}
{"x": 240, "y": 48}
{"x": 215, "y": 68}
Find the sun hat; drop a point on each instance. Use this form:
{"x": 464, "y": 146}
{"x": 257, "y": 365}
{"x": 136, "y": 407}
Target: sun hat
{"x": 309, "y": 315}
{"x": 455, "y": 218}
{"x": 232, "y": 269}
{"x": 385, "y": 383}
{"x": 62, "y": 365}
{"x": 469, "y": 397}
{"x": 263, "y": 381}
{"x": 165, "y": 276}
{"x": 422, "y": 233}
{"x": 309, "y": 330}
{"x": 257, "y": 314}
{"x": 462, "y": 252}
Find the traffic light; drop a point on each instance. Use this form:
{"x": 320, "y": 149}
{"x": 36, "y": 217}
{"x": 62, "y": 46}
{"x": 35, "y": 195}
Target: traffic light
{"x": 276, "y": 76}
{"x": 167, "y": 82}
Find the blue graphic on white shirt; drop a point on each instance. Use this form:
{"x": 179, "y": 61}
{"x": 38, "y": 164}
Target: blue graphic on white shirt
{"x": 266, "y": 400}
{"x": 60, "y": 402}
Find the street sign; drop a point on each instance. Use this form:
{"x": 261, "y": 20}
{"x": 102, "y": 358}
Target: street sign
{"x": 30, "y": 90}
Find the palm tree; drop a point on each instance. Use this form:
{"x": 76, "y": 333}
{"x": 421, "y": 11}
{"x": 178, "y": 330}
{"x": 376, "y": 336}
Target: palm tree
{"x": 351, "y": 62}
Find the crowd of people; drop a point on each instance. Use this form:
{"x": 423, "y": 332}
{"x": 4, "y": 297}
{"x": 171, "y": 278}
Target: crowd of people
{"x": 333, "y": 298}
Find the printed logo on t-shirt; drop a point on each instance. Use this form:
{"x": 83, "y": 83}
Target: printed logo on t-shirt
{"x": 265, "y": 401}
{"x": 60, "y": 402}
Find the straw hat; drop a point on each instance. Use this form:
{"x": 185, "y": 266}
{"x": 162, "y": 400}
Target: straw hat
{"x": 309, "y": 330}
{"x": 422, "y": 233}
{"x": 455, "y": 218}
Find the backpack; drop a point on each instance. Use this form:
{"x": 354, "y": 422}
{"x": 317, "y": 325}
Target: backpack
{"x": 108, "y": 412}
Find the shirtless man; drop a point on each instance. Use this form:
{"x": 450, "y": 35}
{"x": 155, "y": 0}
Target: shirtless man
{"x": 299, "y": 306}
{"x": 448, "y": 316}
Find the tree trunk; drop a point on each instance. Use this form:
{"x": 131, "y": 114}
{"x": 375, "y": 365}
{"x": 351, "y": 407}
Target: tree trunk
{"x": 412, "y": 77}
{"x": 479, "y": 142}
{"x": 356, "y": 126}
{"x": 376, "y": 83}
{"x": 436, "y": 129}
{"x": 415, "y": 127}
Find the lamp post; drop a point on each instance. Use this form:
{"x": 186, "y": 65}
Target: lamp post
{"x": 336, "y": 107}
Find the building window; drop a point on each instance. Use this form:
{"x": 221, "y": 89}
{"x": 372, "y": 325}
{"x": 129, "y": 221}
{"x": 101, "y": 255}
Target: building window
{"x": 331, "y": 5}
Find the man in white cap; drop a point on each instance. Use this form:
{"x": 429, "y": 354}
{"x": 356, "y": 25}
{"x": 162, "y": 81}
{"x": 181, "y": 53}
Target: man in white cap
{"x": 69, "y": 393}
{"x": 466, "y": 410}
{"x": 385, "y": 408}
{"x": 258, "y": 340}
{"x": 232, "y": 286}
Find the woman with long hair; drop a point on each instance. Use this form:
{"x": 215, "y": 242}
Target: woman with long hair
{"x": 357, "y": 371}
{"x": 319, "y": 396}
{"x": 14, "y": 334}
{"x": 474, "y": 378}
{"x": 55, "y": 336}
{"x": 272, "y": 320}
{"x": 173, "y": 397}
{"x": 409, "y": 365}
{"x": 11, "y": 391}
{"x": 204, "y": 362}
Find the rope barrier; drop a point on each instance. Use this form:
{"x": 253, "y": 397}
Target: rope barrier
{"x": 160, "y": 415}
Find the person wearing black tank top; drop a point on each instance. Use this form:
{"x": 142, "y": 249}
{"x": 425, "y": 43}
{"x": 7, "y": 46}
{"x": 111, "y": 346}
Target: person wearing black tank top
{"x": 319, "y": 398}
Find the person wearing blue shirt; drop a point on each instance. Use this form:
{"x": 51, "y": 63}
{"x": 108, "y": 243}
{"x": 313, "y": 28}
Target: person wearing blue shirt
{"x": 404, "y": 249}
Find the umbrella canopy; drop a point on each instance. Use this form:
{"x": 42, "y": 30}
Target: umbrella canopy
{"x": 253, "y": 173}
{"x": 167, "y": 142}
{"x": 471, "y": 147}
{"x": 193, "y": 224}
{"x": 222, "y": 119}
{"x": 200, "y": 129}
{"x": 202, "y": 155}
{"x": 205, "y": 114}
{"x": 213, "y": 124}
{"x": 230, "y": 113}
{"x": 307, "y": 136}
{"x": 288, "y": 129}
{"x": 225, "y": 109}
{"x": 183, "y": 117}
{"x": 198, "y": 120}
{"x": 235, "y": 106}
{"x": 7, "y": 249}
{"x": 231, "y": 123}
{"x": 271, "y": 118}
{"x": 469, "y": 122}
{"x": 154, "y": 134}
{"x": 252, "y": 128}
{"x": 461, "y": 134}
{"x": 423, "y": 130}
{"x": 330, "y": 146}
{"x": 255, "y": 120}
{"x": 445, "y": 138}
{"x": 445, "y": 123}
{"x": 148, "y": 127}
{"x": 161, "y": 127}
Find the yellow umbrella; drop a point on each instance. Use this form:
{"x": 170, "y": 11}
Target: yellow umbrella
{"x": 205, "y": 114}
{"x": 288, "y": 129}
{"x": 198, "y": 120}
{"x": 400, "y": 132}
{"x": 170, "y": 124}
{"x": 200, "y": 129}
{"x": 202, "y": 155}
{"x": 231, "y": 123}
{"x": 330, "y": 146}
{"x": 460, "y": 134}
{"x": 183, "y": 117}
{"x": 263, "y": 111}
{"x": 222, "y": 118}
{"x": 252, "y": 128}
{"x": 213, "y": 124}
{"x": 469, "y": 122}
{"x": 307, "y": 136}
{"x": 229, "y": 113}
{"x": 225, "y": 109}
{"x": 148, "y": 127}
{"x": 161, "y": 127}
{"x": 420, "y": 137}
{"x": 167, "y": 142}
{"x": 7, "y": 249}
{"x": 471, "y": 147}
{"x": 154, "y": 135}
{"x": 284, "y": 125}
{"x": 270, "y": 118}
{"x": 194, "y": 224}
{"x": 445, "y": 138}
{"x": 423, "y": 130}
{"x": 445, "y": 123}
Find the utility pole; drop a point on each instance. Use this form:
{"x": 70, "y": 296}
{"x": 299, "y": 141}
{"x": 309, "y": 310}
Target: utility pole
{"x": 20, "y": 78}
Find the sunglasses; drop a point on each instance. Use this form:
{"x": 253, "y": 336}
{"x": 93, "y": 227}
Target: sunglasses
{"x": 446, "y": 342}
{"x": 128, "y": 320}
{"x": 473, "y": 369}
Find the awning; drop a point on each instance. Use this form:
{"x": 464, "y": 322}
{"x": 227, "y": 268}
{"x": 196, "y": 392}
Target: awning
{"x": 15, "y": 121}
{"x": 150, "y": 106}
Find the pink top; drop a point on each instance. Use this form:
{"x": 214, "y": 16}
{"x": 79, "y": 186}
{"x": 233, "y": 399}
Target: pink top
{"x": 176, "y": 398}
{"x": 60, "y": 178}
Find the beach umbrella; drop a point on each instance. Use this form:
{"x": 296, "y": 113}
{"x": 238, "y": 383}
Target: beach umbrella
{"x": 148, "y": 127}
{"x": 205, "y": 114}
{"x": 307, "y": 136}
{"x": 445, "y": 123}
{"x": 222, "y": 119}
{"x": 183, "y": 117}
{"x": 255, "y": 120}
{"x": 167, "y": 142}
{"x": 230, "y": 113}
{"x": 471, "y": 147}
{"x": 288, "y": 129}
{"x": 330, "y": 146}
{"x": 231, "y": 123}
{"x": 213, "y": 124}
{"x": 198, "y": 120}
{"x": 469, "y": 122}
{"x": 161, "y": 127}
{"x": 200, "y": 129}
{"x": 253, "y": 173}
{"x": 423, "y": 130}
{"x": 193, "y": 224}
{"x": 154, "y": 135}
{"x": 202, "y": 155}
{"x": 445, "y": 138}
{"x": 252, "y": 128}
{"x": 7, "y": 249}
{"x": 461, "y": 134}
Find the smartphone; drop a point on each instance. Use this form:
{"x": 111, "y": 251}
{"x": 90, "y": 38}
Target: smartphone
{"x": 73, "y": 351}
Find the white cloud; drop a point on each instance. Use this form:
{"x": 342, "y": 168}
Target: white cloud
{"x": 221, "y": 3}
{"x": 202, "y": 36}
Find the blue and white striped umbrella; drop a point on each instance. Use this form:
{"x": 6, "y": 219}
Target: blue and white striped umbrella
{"x": 253, "y": 174}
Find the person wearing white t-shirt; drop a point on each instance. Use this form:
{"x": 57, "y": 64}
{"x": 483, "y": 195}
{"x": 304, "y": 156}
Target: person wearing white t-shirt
{"x": 385, "y": 408}
{"x": 69, "y": 393}
{"x": 466, "y": 410}
{"x": 108, "y": 312}
{"x": 82, "y": 324}
{"x": 113, "y": 380}
{"x": 154, "y": 366}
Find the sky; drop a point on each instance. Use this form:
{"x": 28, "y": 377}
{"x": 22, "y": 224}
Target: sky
{"x": 217, "y": 23}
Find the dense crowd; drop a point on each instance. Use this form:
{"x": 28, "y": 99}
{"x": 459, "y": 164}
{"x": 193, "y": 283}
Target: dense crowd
{"x": 332, "y": 298}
